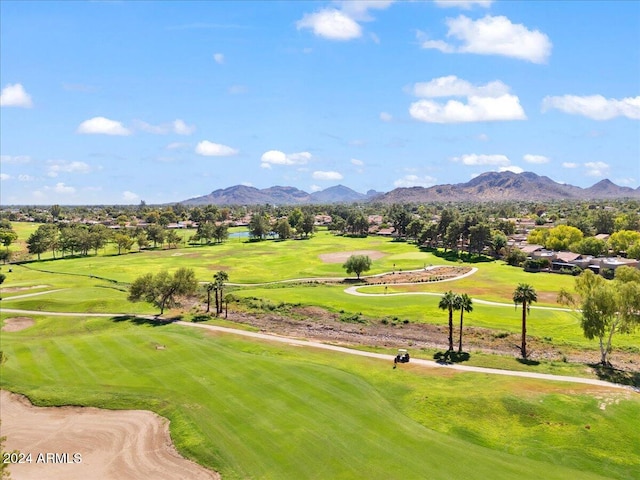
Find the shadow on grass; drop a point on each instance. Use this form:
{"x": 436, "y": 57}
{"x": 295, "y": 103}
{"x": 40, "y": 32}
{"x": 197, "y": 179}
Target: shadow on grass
{"x": 451, "y": 357}
{"x": 154, "y": 321}
{"x": 528, "y": 361}
{"x": 610, "y": 374}
{"x": 453, "y": 256}
{"x": 202, "y": 317}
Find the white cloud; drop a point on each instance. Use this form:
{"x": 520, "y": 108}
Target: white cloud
{"x": 210, "y": 149}
{"x": 478, "y": 109}
{"x": 247, "y": 184}
{"x": 511, "y": 168}
{"x": 62, "y": 188}
{"x": 538, "y": 159}
{"x": 276, "y": 157}
{"x": 386, "y": 117}
{"x": 463, "y": 4}
{"x": 102, "y": 125}
{"x": 315, "y": 188}
{"x": 414, "y": 181}
{"x": 440, "y": 45}
{"x": 219, "y": 58}
{"x": 181, "y": 128}
{"x": 14, "y": 95}
{"x": 15, "y": 159}
{"x": 25, "y": 178}
{"x": 320, "y": 175}
{"x": 597, "y": 169}
{"x": 5, "y": 176}
{"x": 492, "y": 36}
{"x": 570, "y": 165}
{"x": 452, "y": 86}
{"x": 483, "y": 137}
{"x": 475, "y": 159}
{"x": 56, "y": 167}
{"x": 128, "y": 196}
{"x": 341, "y": 23}
{"x": 332, "y": 24}
{"x": 355, "y": 161}
{"x": 596, "y": 107}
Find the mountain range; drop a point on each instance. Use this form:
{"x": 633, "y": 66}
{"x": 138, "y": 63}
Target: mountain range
{"x": 487, "y": 187}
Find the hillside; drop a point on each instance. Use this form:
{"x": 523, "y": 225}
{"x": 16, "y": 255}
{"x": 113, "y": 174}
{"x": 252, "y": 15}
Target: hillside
{"x": 487, "y": 187}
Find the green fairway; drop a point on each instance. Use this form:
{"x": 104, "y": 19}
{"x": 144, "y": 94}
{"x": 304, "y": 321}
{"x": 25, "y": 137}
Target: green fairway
{"x": 247, "y": 262}
{"x": 257, "y": 410}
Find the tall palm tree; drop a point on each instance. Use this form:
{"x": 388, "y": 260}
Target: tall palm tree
{"x": 219, "y": 278}
{"x": 448, "y": 302}
{"x": 526, "y": 295}
{"x": 464, "y": 304}
{"x": 210, "y": 287}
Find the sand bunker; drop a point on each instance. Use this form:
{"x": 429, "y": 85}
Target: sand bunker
{"x": 21, "y": 289}
{"x": 111, "y": 444}
{"x": 341, "y": 257}
{"x": 15, "y": 324}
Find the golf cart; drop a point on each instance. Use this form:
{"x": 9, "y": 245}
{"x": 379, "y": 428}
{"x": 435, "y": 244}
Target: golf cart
{"x": 401, "y": 357}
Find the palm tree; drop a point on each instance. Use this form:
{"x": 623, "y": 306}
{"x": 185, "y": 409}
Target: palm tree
{"x": 210, "y": 286}
{"x": 464, "y": 304}
{"x": 448, "y": 302}
{"x": 220, "y": 277}
{"x": 526, "y": 295}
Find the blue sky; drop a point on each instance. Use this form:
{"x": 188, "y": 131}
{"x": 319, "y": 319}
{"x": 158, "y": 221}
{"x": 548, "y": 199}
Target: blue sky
{"x": 118, "y": 102}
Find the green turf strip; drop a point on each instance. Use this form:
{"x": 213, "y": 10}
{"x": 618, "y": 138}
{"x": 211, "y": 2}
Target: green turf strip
{"x": 263, "y": 411}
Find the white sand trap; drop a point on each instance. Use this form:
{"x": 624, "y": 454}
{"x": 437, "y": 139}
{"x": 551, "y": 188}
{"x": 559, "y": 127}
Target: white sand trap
{"x": 20, "y": 289}
{"x": 341, "y": 257}
{"x": 15, "y": 324}
{"x": 113, "y": 444}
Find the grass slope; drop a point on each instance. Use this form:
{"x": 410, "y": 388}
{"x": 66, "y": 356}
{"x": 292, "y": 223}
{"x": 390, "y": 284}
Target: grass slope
{"x": 262, "y": 411}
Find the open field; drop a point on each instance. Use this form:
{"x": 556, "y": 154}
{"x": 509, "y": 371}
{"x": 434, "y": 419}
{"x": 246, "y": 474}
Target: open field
{"x": 269, "y": 261}
{"x": 257, "y": 410}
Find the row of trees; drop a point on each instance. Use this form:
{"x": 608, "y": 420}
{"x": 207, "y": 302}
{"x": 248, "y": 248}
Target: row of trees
{"x": 80, "y": 239}
{"x": 566, "y": 237}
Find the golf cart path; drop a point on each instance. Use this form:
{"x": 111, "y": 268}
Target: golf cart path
{"x": 335, "y": 348}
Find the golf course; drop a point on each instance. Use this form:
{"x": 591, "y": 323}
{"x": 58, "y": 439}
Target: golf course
{"x": 255, "y": 408}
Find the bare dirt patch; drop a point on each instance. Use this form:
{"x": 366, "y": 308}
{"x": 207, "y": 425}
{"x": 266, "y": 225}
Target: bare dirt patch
{"x": 432, "y": 274}
{"x": 131, "y": 444}
{"x": 341, "y": 257}
{"x": 15, "y": 324}
{"x": 21, "y": 289}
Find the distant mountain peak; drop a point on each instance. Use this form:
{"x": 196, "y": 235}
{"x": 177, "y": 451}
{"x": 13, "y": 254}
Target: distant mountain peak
{"x": 486, "y": 187}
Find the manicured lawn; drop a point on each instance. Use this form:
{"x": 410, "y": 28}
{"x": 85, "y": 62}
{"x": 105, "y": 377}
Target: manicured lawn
{"x": 257, "y": 410}
{"x": 245, "y": 261}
